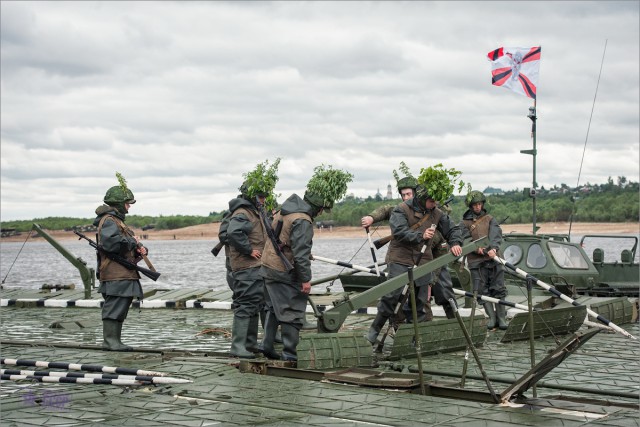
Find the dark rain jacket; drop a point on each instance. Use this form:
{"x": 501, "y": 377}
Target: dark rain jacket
{"x": 407, "y": 243}
{"x": 296, "y": 240}
{"x": 245, "y": 232}
{"x": 477, "y": 226}
{"x": 114, "y": 236}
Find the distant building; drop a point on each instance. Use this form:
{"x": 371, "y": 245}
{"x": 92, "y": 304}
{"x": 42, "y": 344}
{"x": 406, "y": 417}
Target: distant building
{"x": 378, "y": 195}
{"x": 389, "y": 193}
{"x": 490, "y": 191}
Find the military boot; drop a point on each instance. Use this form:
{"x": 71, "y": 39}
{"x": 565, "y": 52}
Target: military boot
{"x": 375, "y": 328}
{"x": 270, "y": 330}
{"x": 239, "y": 338}
{"x": 448, "y": 311}
{"x": 428, "y": 312}
{"x": 124, "y": 346}
{"x": 290, "y": 339}
{"x": 252, "y": 335}
{"x": 111, "y": 331}
{"x": 501, "y": 315}
{"x": 488, "y": 308}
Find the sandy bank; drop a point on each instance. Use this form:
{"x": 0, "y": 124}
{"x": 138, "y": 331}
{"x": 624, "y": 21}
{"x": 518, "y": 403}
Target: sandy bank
{"x": 210, "y": 231}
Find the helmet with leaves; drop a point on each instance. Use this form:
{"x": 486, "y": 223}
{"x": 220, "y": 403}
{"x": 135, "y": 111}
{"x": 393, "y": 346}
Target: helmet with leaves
{"x": 326, "y": 186}
{"x": 119, "y": 194}
{"x": 261, "y": 181}
{"x": 422, "y": 194}
{"x": 408, "y": 181}
{"x": 475, "y": 196}
{"x": 440, "y": 182}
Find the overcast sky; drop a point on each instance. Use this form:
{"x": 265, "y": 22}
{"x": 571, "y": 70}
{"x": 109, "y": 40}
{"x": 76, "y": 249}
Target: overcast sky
{"x": 183, "y": 98}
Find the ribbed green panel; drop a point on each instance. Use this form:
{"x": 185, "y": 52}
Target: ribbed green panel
{"x": 437, "y": 336}
{"x": 552, "y": 322}
{"x": 338, "y": 350}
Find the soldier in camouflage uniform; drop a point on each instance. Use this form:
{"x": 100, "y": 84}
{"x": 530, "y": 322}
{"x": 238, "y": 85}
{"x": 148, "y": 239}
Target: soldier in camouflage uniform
{"x": 439, "y": 246}
{"x": 486, "y": 274}
{"x": 287, "y": 291}
{"x": 405, "y": 248}
{"x": 246, "y": 236}
{"x": 118, "y": 284}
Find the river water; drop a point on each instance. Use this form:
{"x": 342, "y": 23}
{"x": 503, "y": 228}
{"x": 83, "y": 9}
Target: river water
{"x": 186, "y": 263}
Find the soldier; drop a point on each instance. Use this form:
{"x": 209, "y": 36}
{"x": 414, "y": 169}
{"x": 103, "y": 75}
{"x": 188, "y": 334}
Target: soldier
{"x": 288, "y": 283}
{"x": 246, "y": 237}
{"x": 405, "y": 248}
{"x": 406, "y": 188}
{"x": 486, "y": 274}
{"x": 118, "y": 284}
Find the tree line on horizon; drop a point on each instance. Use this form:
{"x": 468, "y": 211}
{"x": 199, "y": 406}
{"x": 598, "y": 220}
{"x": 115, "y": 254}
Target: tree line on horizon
{"x": 609, "y": 202}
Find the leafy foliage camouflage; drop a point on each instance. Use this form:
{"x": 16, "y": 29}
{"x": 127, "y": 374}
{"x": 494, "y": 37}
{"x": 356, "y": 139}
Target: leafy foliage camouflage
{"x": 329, "y": 183}
{"x": 405, "y": 171}
{"x": 123, "y": 183}
{"x": 605, "y": 203}
{"x": 440, "y": 182}
{"x": 263, "y": 179}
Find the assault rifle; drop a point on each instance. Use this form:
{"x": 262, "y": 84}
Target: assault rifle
{"x": 153, "y": 275}
{"x": 274, "y": 237}
{"x": 384, "y": 240}
{"x": 217, "y": 248}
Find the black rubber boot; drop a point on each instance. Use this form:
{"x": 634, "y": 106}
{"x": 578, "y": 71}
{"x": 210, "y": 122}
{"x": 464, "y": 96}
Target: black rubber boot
{"x": 111, "y": 331}
{"x": 501, "y": 315}
{"x": 375, "y": 328}
{"x": 290, "y": 339}
{"x": 488, "y": 308}
{"x": 252, "y": 335}
{"x": 239, "y": 338}
{"x": 448, "y": 311}
{"x": 270, "y": 330}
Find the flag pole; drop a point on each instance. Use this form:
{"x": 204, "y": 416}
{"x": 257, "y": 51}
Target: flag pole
{"x": 533, "y": 192}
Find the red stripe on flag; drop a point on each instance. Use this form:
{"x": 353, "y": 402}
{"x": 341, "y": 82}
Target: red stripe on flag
{"x": 529, "y": 88}
{"x": 532, "y": 55}
{"x": 495, "y": 54}
{"x": 500, "y": 75}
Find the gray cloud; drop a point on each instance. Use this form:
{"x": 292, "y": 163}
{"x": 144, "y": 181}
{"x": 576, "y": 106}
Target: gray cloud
{"x": 184, "y": 97}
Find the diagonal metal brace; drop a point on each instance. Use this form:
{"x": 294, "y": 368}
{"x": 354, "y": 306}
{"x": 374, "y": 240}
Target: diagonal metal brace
{"x": 332, "y": 319}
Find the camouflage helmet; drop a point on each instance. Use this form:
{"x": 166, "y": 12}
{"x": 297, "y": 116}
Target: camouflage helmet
{"x": 244, "y": 190}
{"x": 422, "y": 194}
{"x": 407, "y": 182}
{"x": 317, "y": 201}
{"x": 116, "y": 195}
{"x": 475, "y": 196}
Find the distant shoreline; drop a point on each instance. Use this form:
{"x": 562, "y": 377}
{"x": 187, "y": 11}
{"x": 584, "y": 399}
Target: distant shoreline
{"x": 210, "y": 231}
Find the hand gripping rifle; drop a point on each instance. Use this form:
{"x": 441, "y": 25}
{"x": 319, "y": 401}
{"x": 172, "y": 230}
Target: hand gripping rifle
{"x": 153, "y": 275}
{"x": 274, "y": 237}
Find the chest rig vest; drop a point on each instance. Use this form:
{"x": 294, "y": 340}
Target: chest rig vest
{"x": 270, "y": 257}
{"x": 111, "y": 270}
{"x": 479, "y": 227}
{"x": 257, "y": 239}
{"x": 401, "y": 253}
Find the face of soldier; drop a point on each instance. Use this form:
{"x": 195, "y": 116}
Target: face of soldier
{"x": 406, "y": 193}
{"x": 261, "y": 199}
{"x": 476, "y": 207}
{"x": 430, "y": 204}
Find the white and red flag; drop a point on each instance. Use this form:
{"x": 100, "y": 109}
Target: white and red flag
{"x": 516, "y": 68}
